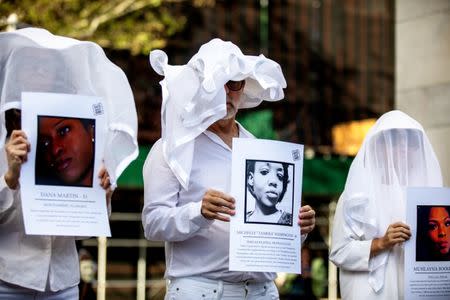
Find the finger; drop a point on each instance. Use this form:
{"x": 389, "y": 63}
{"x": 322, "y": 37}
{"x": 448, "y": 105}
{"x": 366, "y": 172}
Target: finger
{"x": 398, "y": 241}
{"x": 20, "y": 152}
{"x": 18, "y": 140}
{"x": 104, "y": 178}
{"x": 219, "y": 209}
{"x": 400, "y": 224}
{"x": 19, "y": 155}
{"x": 307, "y": 214}
{"x": 215, "y": 216}
{"x": 401, "y": 229}
{"x": 306, "y": 229}
{"x": 16, "y": 149}
{"x": 222, "y": 209}
{"x": 401, "y": 235}
{"x": 217, "y": 201}
{"x": 102, "y": 173}
{"x": 18, "y": 133}
{"x": 405, "y": 231}
{"x": 219, "y": 194}
{"x": 393, "y": 241}
{"x": 305, "y": 208}
{"x": 306, "y": 222}
{"x": 221, "y": 217}
{"x": 21, "y": 146}
{"x": 104, "y": 184}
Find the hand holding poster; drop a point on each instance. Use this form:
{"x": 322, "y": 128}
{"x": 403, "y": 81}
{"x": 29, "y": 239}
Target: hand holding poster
{"x": 60, "y": 189}
{"x": 427, "y": 253}
{"x": 266, "y": 184}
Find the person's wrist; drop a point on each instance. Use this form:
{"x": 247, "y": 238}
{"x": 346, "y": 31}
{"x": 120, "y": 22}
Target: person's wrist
{"x": 201, "y": 212}
{"x": 11, "y": 180}
{"x": 381, "y": 245}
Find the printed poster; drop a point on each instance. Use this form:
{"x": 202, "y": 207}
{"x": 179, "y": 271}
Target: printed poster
{"x": 427, "y": 253}
{"x": 266, "y": 184}
{"x": 60, "y": 188}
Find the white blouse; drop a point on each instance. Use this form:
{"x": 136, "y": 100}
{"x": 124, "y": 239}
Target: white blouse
{"x": 32, "y": 261}
{"x": 194, "y": 245}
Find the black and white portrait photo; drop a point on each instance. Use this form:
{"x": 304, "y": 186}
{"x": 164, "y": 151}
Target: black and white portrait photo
{"x": 269, "y": 195}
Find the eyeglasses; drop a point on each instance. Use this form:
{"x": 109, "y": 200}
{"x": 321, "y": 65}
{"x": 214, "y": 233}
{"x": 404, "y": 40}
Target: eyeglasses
{"x": 235, "y": 85}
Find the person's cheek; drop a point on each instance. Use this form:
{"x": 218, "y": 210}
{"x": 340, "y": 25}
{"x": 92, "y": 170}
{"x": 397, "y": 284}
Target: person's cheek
{"x": 48, "y": 157}
{"x": 432, "y": 236}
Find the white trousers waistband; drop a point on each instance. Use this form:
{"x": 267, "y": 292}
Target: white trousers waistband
{"x": 14, "y": 292}
{"x": 200, "y": 288}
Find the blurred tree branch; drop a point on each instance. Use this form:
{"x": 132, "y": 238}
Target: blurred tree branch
{"x": 135, "y": 25}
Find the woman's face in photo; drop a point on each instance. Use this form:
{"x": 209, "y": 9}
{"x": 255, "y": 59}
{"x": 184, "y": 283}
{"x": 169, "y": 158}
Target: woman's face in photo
{"x": 68, "y": 147}
{"x": 439, "y": 229}
{"x": 267, "y": 182}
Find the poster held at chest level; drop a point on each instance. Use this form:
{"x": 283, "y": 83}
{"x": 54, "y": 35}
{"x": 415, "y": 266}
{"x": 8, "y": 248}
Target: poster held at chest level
{"x": 266, "y": 184}
{"x": 60, "y": 188}
{"x": 427, "y": 253}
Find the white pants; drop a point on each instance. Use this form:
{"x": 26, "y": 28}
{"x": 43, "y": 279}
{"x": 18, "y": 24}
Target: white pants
{"x": 200, "y": 288}
{"x": 14, "y": 292}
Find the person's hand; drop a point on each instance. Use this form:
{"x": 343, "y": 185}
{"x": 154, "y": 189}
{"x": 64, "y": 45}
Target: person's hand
{"x": 17, "y": 149}
{"x": 217, "y": 205}
{"x": 105, "y": 183}
{"x": 396, "y": 233}
{"x": 306, "y": 219}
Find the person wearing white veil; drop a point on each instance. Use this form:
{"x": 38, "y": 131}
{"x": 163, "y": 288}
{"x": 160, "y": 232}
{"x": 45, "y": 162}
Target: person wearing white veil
{"x": 187, "y": 173}
{"x": 369, "y": 229}
{"x": 34, "y": 60}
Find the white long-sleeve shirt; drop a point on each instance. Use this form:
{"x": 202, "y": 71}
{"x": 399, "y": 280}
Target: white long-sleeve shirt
{"x": 194, "y": 245}
{"x": 352, "y": 255}
{"x": 32, "y": 261}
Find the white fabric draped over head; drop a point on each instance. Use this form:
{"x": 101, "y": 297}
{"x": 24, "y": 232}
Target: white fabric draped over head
{"x": 34, "y": 60}
{"x": 194, "y": 95}
{"x": 395, "y": 154}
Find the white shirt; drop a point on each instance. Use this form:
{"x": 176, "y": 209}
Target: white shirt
{"x": 352, "y": 255}
{"x": 194, "y": 245}
{"x": 395, "y": 154}
{"x": 32, "y": 261}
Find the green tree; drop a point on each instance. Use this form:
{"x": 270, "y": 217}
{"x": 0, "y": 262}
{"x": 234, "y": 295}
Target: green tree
{"x": 135, "y": 25}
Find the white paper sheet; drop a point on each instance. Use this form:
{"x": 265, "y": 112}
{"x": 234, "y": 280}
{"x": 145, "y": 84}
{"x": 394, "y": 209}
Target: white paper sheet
{"x": 266, "y": 242}
{"x": 426, "y": 275}
{"x": 54, "y": 200}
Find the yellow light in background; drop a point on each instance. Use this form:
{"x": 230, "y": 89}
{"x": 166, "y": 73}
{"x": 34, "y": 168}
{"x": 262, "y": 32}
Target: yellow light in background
{"x": 348, "y": 137}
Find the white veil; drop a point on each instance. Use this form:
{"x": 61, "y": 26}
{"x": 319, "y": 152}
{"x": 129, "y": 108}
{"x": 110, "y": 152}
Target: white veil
{"x": 34, "y": 60}
{"x": 395, "y": 154}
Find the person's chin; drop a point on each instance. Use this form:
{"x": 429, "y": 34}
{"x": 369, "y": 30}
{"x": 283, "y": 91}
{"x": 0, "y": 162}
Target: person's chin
{"x": 270, "y": 203}
{"x": 69, "y": 179}
{"x": 445, "y": 252}
{"x": 228, "y": 116}
{"x": 231, "y": 112}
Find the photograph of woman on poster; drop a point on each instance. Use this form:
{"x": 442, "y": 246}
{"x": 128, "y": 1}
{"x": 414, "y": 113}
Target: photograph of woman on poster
{"x": 65, "y": 151}
{"x": 267, "y": 183}
{"x": 433, "y": 233}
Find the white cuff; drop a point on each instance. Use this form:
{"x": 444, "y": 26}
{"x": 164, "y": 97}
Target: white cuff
{"x": 196, "y": 216}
